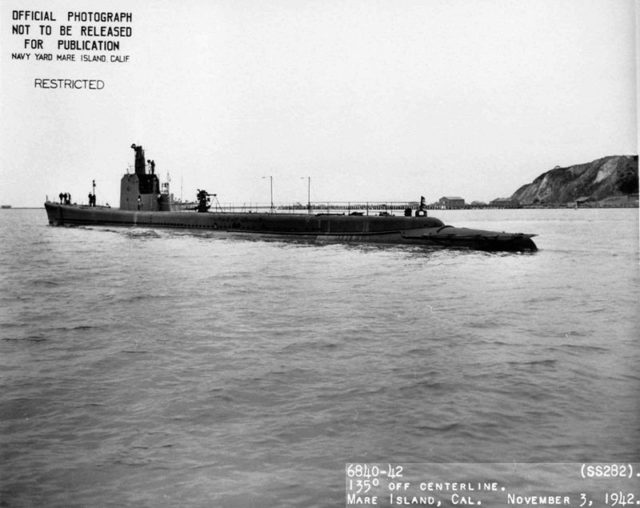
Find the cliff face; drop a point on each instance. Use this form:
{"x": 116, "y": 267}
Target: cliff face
{"x": 603, "y": 178}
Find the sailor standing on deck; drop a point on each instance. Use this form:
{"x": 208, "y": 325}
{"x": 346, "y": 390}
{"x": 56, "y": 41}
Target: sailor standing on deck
{"x": 422, "y": 209}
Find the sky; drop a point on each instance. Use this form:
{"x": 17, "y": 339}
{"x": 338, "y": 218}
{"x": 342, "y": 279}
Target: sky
{"x": 379, "y": 100}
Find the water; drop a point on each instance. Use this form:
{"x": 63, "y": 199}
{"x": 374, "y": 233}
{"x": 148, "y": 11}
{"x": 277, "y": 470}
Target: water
{"x": 169, "y": 368}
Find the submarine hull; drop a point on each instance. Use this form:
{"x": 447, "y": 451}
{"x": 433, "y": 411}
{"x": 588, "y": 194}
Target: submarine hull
{"x": 324, "y": 228}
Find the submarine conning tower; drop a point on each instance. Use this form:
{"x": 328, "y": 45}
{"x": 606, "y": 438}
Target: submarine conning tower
{"x": 141, "y": 190}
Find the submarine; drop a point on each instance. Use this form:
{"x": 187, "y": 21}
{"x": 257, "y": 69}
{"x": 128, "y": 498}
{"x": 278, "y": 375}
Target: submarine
{"x": 144, "y": 203}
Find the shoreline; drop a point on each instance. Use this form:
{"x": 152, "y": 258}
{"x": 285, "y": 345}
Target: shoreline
{"x": 377, "y": 207}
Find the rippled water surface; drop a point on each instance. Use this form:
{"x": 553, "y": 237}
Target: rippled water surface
{"x": 168, "y": 368}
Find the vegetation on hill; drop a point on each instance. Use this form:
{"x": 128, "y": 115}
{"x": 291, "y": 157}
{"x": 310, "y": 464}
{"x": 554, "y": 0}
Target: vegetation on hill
{"x": 602, "y": 179}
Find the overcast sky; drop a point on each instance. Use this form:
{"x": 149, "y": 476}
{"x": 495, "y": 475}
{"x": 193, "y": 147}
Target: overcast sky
{"x": 372, "y": 99}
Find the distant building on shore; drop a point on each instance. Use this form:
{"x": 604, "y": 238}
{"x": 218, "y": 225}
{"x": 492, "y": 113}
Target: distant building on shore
{"x": 450, "y": 202}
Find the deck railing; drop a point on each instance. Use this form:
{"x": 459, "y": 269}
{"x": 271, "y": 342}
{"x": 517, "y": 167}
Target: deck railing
{"x": 365, "y": 207}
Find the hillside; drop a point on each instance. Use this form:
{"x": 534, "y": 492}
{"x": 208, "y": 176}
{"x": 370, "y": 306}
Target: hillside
{"x": 602, "y": 179}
